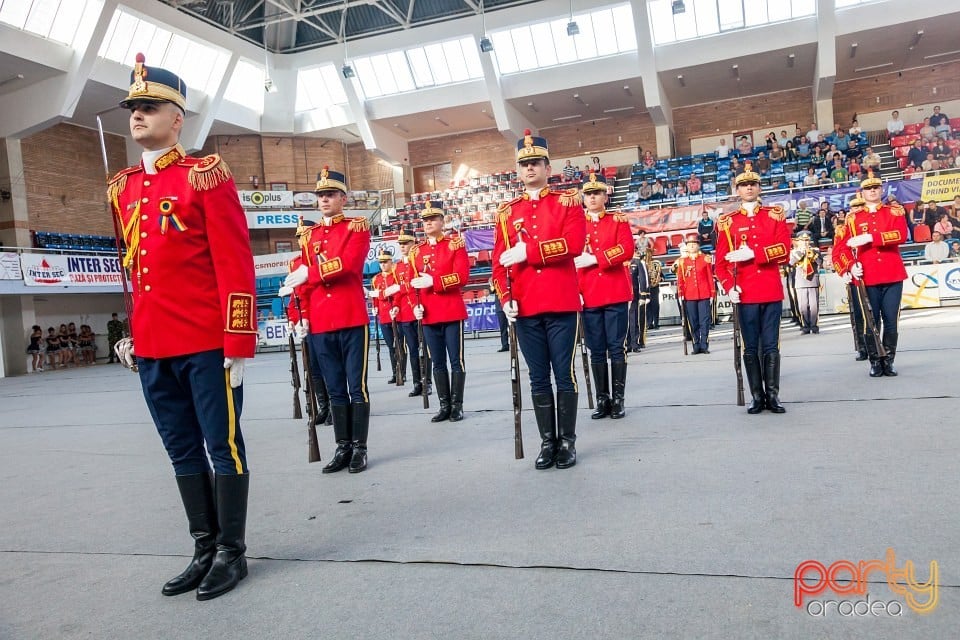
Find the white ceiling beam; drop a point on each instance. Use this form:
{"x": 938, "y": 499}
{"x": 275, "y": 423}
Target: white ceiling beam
{"x": 825, "y": 68}
{"x": 197, "y": 128}
{"x": 645, "y": 63}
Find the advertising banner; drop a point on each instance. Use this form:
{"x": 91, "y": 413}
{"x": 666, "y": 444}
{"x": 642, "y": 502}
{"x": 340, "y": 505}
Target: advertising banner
{"x": 272, "y": 333}
{"x": 272, "y": 220}
{"x": 481, "y": 316}
{"x": 273, "y": 264}
{"x": 40, "y": 270}
{"x": 10, "y": 266}
{"x": 266, "y": 199}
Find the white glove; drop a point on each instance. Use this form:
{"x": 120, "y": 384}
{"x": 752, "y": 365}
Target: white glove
{"x": 514, "y": 255}
{"x": 291, "y": 327}
{"x": 373, "y": 293}
{"x": 284, "y": 292}
{"x": 422, "y": 282}
{"x": 856, "y": 270}
{"x": 124, "y": 351}
{"x": 303, "y": 329}
{"x": 642, "y": 301}
{"x": 392, "y": 290}
{"x": 418, "y": 312}
{"x": 235, "y": 365}
{"x": 584, "y": 260}
{"x": 734, "y": 295}
{"x": 511, "y": 310}
{"x": 394, "y": 312}
{"x": 296, "y": 277}
{"x": 742, "y": 254}
{"x": 847, "y": 278}
{"x": 860, "y": 240}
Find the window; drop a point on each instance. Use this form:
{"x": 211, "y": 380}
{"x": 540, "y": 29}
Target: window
{"x": 417, "y": 68}
{"x": 603, "y": 32}
{"x": 245, "y": 85}
{"x": 709, "y": 17}
{"x": 319, "y": 88}
{"x": 57, "y": 20}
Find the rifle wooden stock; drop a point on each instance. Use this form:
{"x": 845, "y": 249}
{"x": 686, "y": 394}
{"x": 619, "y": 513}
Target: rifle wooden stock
{"x": 586, "y": 362}
{"x": 869, "y": 324}
{"x": 425, "y": 368}
{"x": 401, "y": 354}
{"x": 737, "y": 354}
{"x": 313, "y": 447}
{"x": 515, "y": 381}
{"x": 683, "y": 321}
{"x": 294, "y": 378}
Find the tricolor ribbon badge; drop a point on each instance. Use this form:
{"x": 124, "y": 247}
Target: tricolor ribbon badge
{"x": 168, "y": 217}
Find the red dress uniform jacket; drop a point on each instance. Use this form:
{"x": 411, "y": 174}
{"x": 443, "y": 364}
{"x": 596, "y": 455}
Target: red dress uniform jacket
{"x": 302, "y": 293}
{"x": 405, "y": 300}
{"x": 382, "y": 303}
{"x": 188, "y": 250}
{"x": 334, "y": 255}
{"x": 554, "y": 230}
{"x": 447, "y": 262}
{"x": 695, "y": 277}
{"x": 881, "y": 259}
{"x": 767, "y": 234}
{"x": 608, "y": 281}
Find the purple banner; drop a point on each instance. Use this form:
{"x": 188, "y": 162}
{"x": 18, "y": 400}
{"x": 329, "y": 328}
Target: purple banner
{"x": 478, "y": 239}
{"x": 481, "y": 316}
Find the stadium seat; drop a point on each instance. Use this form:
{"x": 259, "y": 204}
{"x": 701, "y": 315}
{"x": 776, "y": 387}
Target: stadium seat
{"x": 921, "y": 233}
{"x": 911, "y": 129}
{"x": 660, "y": 245}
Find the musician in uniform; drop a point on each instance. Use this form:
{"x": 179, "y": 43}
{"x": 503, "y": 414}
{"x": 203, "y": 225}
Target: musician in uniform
{"x": 639, "y": 284}
{"x": 806, "y": 261}
{"x": 752, "y": 243}
{"x": 402, "y": 310}
{"x": 333, "y": 253}
{"x": 193, "y": 321}
{"x": 536, "y": 238}
{"x": 383, "y": 291}
{"x": 655, "y": 277}
{"x": 872, "y": 254}
{"x": 604, "y": 276}
{"x": 857, "y": 318}
{"x": 695, "y": 287}
{"x": 441, "y": 271}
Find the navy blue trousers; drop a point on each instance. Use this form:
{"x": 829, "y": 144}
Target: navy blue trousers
{"x": 760, "y": 327}
{"x": 699, "y": 316}
{"x": 445, "y": 341}
{"x": 342, "y": 356}
{"x": 605, "y": 330}
{"x": 411, "y": 339}
{"x": 193, "y": 405}
{"x": 548, "y": 341}
{"x": 885, "y": 304}
{"x": 386, "y": 330}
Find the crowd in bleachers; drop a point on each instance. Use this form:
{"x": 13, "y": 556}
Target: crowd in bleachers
{"x": 931, "y": 145}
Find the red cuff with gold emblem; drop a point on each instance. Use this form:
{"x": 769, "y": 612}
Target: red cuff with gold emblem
{"x": 240, "y": 313}
{"x": 613, "y": 252}
{"x": 553, "y": 248}
{"x": 775, "y": 251}
{"x": 330, "y": 267}
{"x": 449, "y": 280}
{"x": 888, "y": 237}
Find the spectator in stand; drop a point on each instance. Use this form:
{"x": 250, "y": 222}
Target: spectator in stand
{"x": 917, "y": 155}
{"x": 645, "y": 191}
{"x": 854, "y": 170}
{"x": 649, "y": 162}
{"x": 657, "y": 190}
{"x": 872, "y": 160}
{"x": 944, "y": 226}
{"x": 915, "y": 217}
{"x": 839, "y": 219}
{"x": 824, "y": 178}
{"x": 722, "y": 149}
{"x": 954, "y": 211}
{"x": 35, "y": 348}
{"x": 669, "y": 191}
{"x": 783, "y": 139}
{"x": 804, "y": 217}
{"x": 803, "y": 148}
{"x": 705, "y": 228}
{"x": 817, "y": 159}
{"x": 941, "y": 152}
{"x": 927, "y": 132}
{"x": 790, "y": 152}
{"x": 568, "y": 171}
{"x": 842, "y": 142}
{"x": 681, "y": 189}
{"x": 895, "y": 125}
{"x": 797, "y": 137}
{"x": 855, "y": 129}
{"x": 936, "y": 251}
{"x": 744, "y": 146}
{"x": 813, "y": 134}
{"x": 954, "y": 252}
{"x": 931, "y": 213}
{"x": 930, "y": 164}
{"x": 776, "y": 152}
{"x": 940, "y": 122}
{"x": 694, "y": 184}
{"x": 595, "y": 164}
{"x": 821, "y": 227}
{"x": 735, "y": 167}
{"x": 769, "y": 140}
{"x": 811, "y": 179}
{"x": 762, "y": 163}
{"x": 838, "y": 173}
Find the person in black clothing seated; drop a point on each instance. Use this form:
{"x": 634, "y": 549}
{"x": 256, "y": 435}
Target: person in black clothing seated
{"x": 705, "y": 228}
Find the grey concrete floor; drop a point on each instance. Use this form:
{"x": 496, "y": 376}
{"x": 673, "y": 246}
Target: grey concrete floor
{"x": 687, "y": 519}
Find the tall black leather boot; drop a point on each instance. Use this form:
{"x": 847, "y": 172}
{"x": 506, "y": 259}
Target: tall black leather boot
{"x": 442, "y": 380}
{"x": 341, "y": 431}
{"x": 457, "y": 380}
{"x": 751, "y": 364}
{"x": 323, "y": 401}
{"x": 771, "y": 378}
{"x": 229, "y": 564}
{"x": 601, "y": 382}
{"x": 417, "y": 379}
{"x": 567, "y": 428}
{"x": 890, "y": 346}
{"x": 392, "y": 354}
{"x": 196, "y": 493}
{"x": 359, "y": 425}
{"x": 618, "y": 372}
{"x": 546, "y": 414}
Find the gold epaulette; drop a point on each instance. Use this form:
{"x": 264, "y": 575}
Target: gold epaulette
{"x": 360, "y": 223}
{"x": 776, "y": 212}
{"x": 708, "y": 260}
{"x": 118, "y": 183}
{"x": 897, "y": 209}
{"x": 840, "y": 232}
{"x": 570, "y": 197}
{"x": 208, "y": 172}
{"x": 724, "y": 220}
{"x": 620, "y": 217}
{"x": 507, "y": 207}
{"x": 458, "y": 242}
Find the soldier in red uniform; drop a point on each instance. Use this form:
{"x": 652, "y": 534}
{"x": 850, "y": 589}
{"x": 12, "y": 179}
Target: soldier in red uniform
{"x": 536, "y": 238}
{"x": 403, "y": 304}
{"x": 857, "y": 319}
{"x": 752, "y": 243}
{"x": 333, "y": 252}
{"x": 604, "y": 278}
{"x": 871, "y": 252}
{"x": 441, "y": 270}
{"x": 383, "y": 291}
{"x": 695, "y": 287}
{"x": 194, "y": 321}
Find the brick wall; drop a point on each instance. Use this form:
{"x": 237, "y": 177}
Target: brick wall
{"x": 896, "y": 89}
{"x": 742, "y": 114}
{"x": 65, "y": 183}
{"x": 593, "y": 138}
{"x": 293, "y": 160}
{"x": 481, "y": 152}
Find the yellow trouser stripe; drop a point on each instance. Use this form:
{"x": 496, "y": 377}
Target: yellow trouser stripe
{"x": 366, "y": 356}
{"x": 232, "y": 423}
{"x": 463, "y": 366}
{"x": 573, "y": 356}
